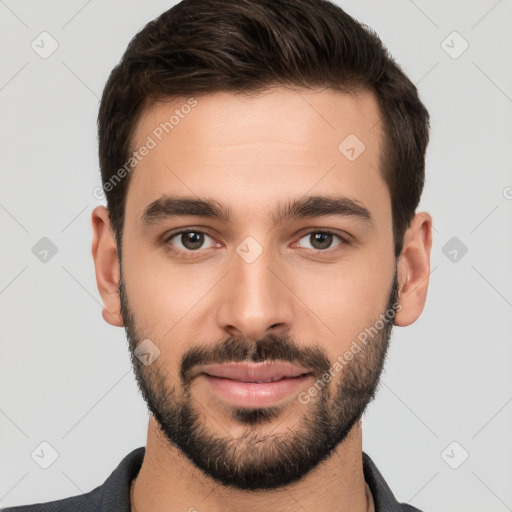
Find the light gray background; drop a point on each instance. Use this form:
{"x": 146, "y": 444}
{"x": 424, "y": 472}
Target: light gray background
{"x": 65, "y": 374}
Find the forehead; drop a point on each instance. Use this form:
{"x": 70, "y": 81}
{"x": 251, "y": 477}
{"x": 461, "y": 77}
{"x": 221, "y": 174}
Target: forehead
{"x": 253, "y": 151}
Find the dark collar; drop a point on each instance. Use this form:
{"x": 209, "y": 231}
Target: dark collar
{"x": 383, "y": 498}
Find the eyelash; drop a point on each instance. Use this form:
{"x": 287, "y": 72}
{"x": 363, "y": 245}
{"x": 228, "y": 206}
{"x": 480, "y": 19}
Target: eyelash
{"x": 192, "y": 254}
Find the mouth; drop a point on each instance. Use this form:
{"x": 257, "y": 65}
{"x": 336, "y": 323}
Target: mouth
{"x": 270, "y": 379}
{"x": 255, "y": 372}
{"x": 254, "y": 385}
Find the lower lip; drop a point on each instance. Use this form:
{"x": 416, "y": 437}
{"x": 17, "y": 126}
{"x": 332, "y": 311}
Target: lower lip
{"x": 255, "y": 394}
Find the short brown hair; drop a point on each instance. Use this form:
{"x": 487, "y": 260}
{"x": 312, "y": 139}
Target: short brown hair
{"x": 242, "y": 46}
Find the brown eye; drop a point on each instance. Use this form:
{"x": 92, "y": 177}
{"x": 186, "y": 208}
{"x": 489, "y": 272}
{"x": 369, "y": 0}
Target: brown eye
{"x": 323, "y": 240}
{"x": 192, "y": 240}
{"x": 187, "y": 241}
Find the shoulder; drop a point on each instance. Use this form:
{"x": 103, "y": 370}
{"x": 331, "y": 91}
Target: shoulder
{"x": 85, "y": 502}
{"x": 111, "y": 496}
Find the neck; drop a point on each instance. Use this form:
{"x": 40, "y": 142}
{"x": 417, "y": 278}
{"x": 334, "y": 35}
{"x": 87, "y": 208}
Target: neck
{"x": 167, "y": 480}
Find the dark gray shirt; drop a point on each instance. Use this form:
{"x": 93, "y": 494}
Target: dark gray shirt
{"x": 114, "y": 494}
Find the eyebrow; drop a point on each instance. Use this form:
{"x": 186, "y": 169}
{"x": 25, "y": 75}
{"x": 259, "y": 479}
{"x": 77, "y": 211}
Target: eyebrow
{"x": 169, "y": 206}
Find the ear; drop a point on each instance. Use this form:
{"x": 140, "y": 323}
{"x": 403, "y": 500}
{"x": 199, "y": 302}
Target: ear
{"x": 414, "y": 269}
{"x": 106, "y": 262}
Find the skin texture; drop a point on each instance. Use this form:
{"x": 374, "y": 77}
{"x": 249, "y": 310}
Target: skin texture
{"x": 252, "y": 153}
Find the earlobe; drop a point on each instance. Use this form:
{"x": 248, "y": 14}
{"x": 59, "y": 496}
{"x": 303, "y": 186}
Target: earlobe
{"x": 111, "y": 319}
{"x": 414, "y": 269}
{"x": 106, "y": 262}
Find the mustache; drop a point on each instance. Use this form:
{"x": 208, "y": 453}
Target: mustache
{"x": 239, "y": 349}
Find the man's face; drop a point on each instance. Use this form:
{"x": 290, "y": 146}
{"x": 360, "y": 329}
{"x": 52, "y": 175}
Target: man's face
{"x": 302, "y": 291}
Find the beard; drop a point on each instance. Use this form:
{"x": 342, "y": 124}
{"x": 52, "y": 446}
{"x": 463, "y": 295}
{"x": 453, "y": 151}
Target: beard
{"x": 256, "y": 460}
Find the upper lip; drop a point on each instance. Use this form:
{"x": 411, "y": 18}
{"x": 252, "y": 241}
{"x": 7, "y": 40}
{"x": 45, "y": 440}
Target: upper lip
{"x": 254, "y": 372}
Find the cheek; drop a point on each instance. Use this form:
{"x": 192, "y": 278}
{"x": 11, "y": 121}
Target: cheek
{"x": 168, "y": 300}
{"x": 153, "y": 284}
{"x": 345, "y": 299}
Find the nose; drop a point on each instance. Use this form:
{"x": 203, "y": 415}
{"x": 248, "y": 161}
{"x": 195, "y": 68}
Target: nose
{"x": 254, "y": 301}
